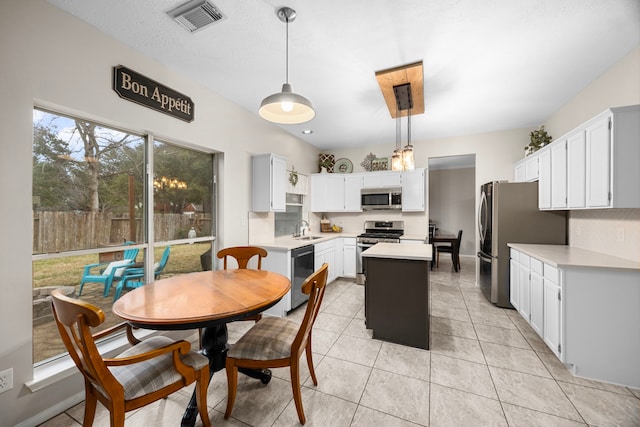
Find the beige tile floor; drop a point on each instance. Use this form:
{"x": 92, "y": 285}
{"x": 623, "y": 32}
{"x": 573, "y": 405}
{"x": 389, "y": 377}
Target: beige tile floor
{"x": 486, "y": 367}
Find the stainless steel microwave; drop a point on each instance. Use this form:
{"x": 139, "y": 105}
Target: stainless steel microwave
{"x": 388, "y": 198}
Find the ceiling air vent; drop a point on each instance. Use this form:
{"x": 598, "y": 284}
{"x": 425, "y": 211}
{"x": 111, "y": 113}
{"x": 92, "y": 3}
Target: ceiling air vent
{"x": 196, "y": 15}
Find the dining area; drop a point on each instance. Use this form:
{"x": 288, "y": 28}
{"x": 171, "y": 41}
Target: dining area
{"x": 157, "y": 367}
{"x": 444, "y": 243}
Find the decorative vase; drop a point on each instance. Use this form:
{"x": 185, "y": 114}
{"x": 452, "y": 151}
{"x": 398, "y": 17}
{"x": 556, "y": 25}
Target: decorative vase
{"x": 323, "y": 169}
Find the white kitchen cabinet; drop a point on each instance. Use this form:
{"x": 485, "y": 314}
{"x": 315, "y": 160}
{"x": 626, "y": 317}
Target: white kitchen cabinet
{"x": 335, "y": 192}
{"x": 325, "y": 252}
{"x": 531, "y": 172}
{"x": 576, "y": 170}
{"x": 524, "y": 287}
{"x": 338, "y": 257}
{"x": 279, "y": 261}
{"x": 269, "y": 183}
{"x": 414, "y": 191}
{"x": 382, "y": 179}
{"x": 536, "y": 295}
{"x": 598, "y": 143}
{"x": 352, "y": 187}
{"x": 349, "y": 258}
{"x": 514, "y": 275}
{"x": 559, "y": 174}
{"x": 598, "y": 168}
{"x": 552, "y": 310}
{"x": 590, "y": 310}
{"x": 544, "y": 178}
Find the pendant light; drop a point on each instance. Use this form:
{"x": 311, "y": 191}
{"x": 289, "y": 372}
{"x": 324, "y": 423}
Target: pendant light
{"x": 286, "y": 107}
{"x": 408, "y": 160}
{"x": 396, "y": 158}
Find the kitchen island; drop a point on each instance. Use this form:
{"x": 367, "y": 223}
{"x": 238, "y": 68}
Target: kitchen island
{"x": 397, "y": 293}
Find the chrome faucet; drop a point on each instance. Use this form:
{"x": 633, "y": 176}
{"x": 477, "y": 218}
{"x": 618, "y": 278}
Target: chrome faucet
{"x": 299, "y": 231}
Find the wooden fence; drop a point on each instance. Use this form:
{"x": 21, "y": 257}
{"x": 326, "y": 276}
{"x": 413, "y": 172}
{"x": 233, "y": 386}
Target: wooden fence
{"x": 67, "y": 231}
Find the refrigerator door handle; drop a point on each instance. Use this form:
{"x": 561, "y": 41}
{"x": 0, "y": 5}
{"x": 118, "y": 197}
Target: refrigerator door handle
{"x": 484, "y": 257}
{"x": 482, "y": 213}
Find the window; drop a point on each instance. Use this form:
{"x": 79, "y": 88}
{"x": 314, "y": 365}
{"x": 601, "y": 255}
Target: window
{"x": 91, "y": 212}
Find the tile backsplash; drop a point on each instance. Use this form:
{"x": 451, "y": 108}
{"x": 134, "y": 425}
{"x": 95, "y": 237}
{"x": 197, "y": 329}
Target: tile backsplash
{"x": 612, "y": 231}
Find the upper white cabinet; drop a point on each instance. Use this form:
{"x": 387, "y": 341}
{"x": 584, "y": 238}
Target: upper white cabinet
{"x": 544, "y": 178}
{"x": 332, "y": 192}
{"x": 594, "y": 166}
{"x": 414, "y": 190}
{"x": 269, "y": 183}
{"x": 531, "y": 171}
{"x": 559, "y": 175}
{"x": 576, "y": 171}
{"x": 519, "y": 171}
{"x": 381, "y": 179}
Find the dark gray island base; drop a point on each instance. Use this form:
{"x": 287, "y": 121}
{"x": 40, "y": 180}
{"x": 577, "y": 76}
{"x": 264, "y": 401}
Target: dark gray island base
{"x": 397, "y": 293}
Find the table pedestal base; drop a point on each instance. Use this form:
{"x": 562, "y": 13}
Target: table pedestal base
{"x": 214, "y": 346}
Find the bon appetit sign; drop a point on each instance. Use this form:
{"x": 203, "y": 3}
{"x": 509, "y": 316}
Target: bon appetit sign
{"x": 142, "y": 90}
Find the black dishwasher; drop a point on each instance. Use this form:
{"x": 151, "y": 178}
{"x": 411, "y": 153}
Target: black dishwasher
{"x": 301, "y": 268}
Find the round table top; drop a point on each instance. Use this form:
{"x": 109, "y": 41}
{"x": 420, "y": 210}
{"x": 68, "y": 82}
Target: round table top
{"x": 201, "y": 299}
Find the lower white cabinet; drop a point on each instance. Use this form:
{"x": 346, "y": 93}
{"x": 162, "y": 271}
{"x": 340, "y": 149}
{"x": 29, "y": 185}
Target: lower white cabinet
{"x": 325, "y": 252}
{"x": 349, "y": 257}
{"x": 552, "y": 314}
{"x": 585, "y": 309}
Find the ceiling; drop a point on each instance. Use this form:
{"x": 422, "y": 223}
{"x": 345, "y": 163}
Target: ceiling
{"x": 488, "y": 65}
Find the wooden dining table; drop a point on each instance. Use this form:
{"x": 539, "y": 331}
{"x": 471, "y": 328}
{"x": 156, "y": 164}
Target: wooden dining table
{"x": 209, "y": 300}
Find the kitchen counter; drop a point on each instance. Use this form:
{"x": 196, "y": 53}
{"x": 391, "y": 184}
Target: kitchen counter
{"x": 287, "y": 243}
{"x": 396, "y": 251}
{"x": 562, "y": 256}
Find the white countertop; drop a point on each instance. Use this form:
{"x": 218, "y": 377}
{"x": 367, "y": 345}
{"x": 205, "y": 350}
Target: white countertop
{"x": 570, "y": 256}
{"x": 398, "y": 251}
{"x": 286, "y": 243}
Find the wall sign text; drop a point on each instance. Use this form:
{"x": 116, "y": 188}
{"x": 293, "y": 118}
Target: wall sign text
{"x": 142, "y": 90}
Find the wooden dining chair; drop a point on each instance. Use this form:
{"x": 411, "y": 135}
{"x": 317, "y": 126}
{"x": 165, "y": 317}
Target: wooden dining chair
{"x": 242, "y": 255}
{"x": 454, "y": 250}
{"x": 147, "y": 371}
{"x": 276, "y": 342}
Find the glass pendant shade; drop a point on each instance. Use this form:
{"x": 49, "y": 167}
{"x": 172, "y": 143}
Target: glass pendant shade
{"x": 396, "y": 160}
{"x": 286, "y": 107}
{"x": 408, "y": 161}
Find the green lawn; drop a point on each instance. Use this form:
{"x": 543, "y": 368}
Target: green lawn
{"x": 68, "y": 271}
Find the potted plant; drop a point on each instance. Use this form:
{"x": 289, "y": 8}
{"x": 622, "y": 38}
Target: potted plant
{"x": 538, "y": 139}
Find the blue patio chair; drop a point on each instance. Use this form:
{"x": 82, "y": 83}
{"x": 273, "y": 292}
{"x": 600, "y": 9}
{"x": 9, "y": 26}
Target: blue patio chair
{"x": 106, "y": 272}
{"x": 134, "y": 277}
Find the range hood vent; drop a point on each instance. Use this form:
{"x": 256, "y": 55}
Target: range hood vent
{"x": 196, "y": 15}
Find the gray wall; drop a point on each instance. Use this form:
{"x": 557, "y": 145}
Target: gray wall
{"x": 452, "y": 204}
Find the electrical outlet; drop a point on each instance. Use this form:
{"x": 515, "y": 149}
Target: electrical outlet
{"x": 6, "y": 380}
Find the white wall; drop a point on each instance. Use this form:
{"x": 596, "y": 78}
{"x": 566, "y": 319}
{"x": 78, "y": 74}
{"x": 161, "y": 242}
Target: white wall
{"x": 53, "y": 60}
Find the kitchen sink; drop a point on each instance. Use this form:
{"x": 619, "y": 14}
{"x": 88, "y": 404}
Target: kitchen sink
{"x": 309, "y": 238}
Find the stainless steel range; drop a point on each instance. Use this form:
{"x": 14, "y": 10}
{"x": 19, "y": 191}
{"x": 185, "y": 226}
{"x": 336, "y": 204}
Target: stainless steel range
{"x": 375, "y": 232}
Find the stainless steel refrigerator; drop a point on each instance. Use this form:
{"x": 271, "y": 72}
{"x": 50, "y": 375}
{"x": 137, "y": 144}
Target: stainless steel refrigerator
{"x": 508, "y": 213}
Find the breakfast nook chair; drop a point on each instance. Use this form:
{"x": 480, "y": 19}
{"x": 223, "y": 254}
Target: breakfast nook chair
{"x": 454, "y": 250}
{"x": 242, "y": 255}
{"x": 147, "y": 371}
{"x": 276, "y": 342}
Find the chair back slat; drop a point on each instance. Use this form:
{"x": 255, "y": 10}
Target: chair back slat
{"x": 315, "y": 286}
{"x": 242, "y": 255}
